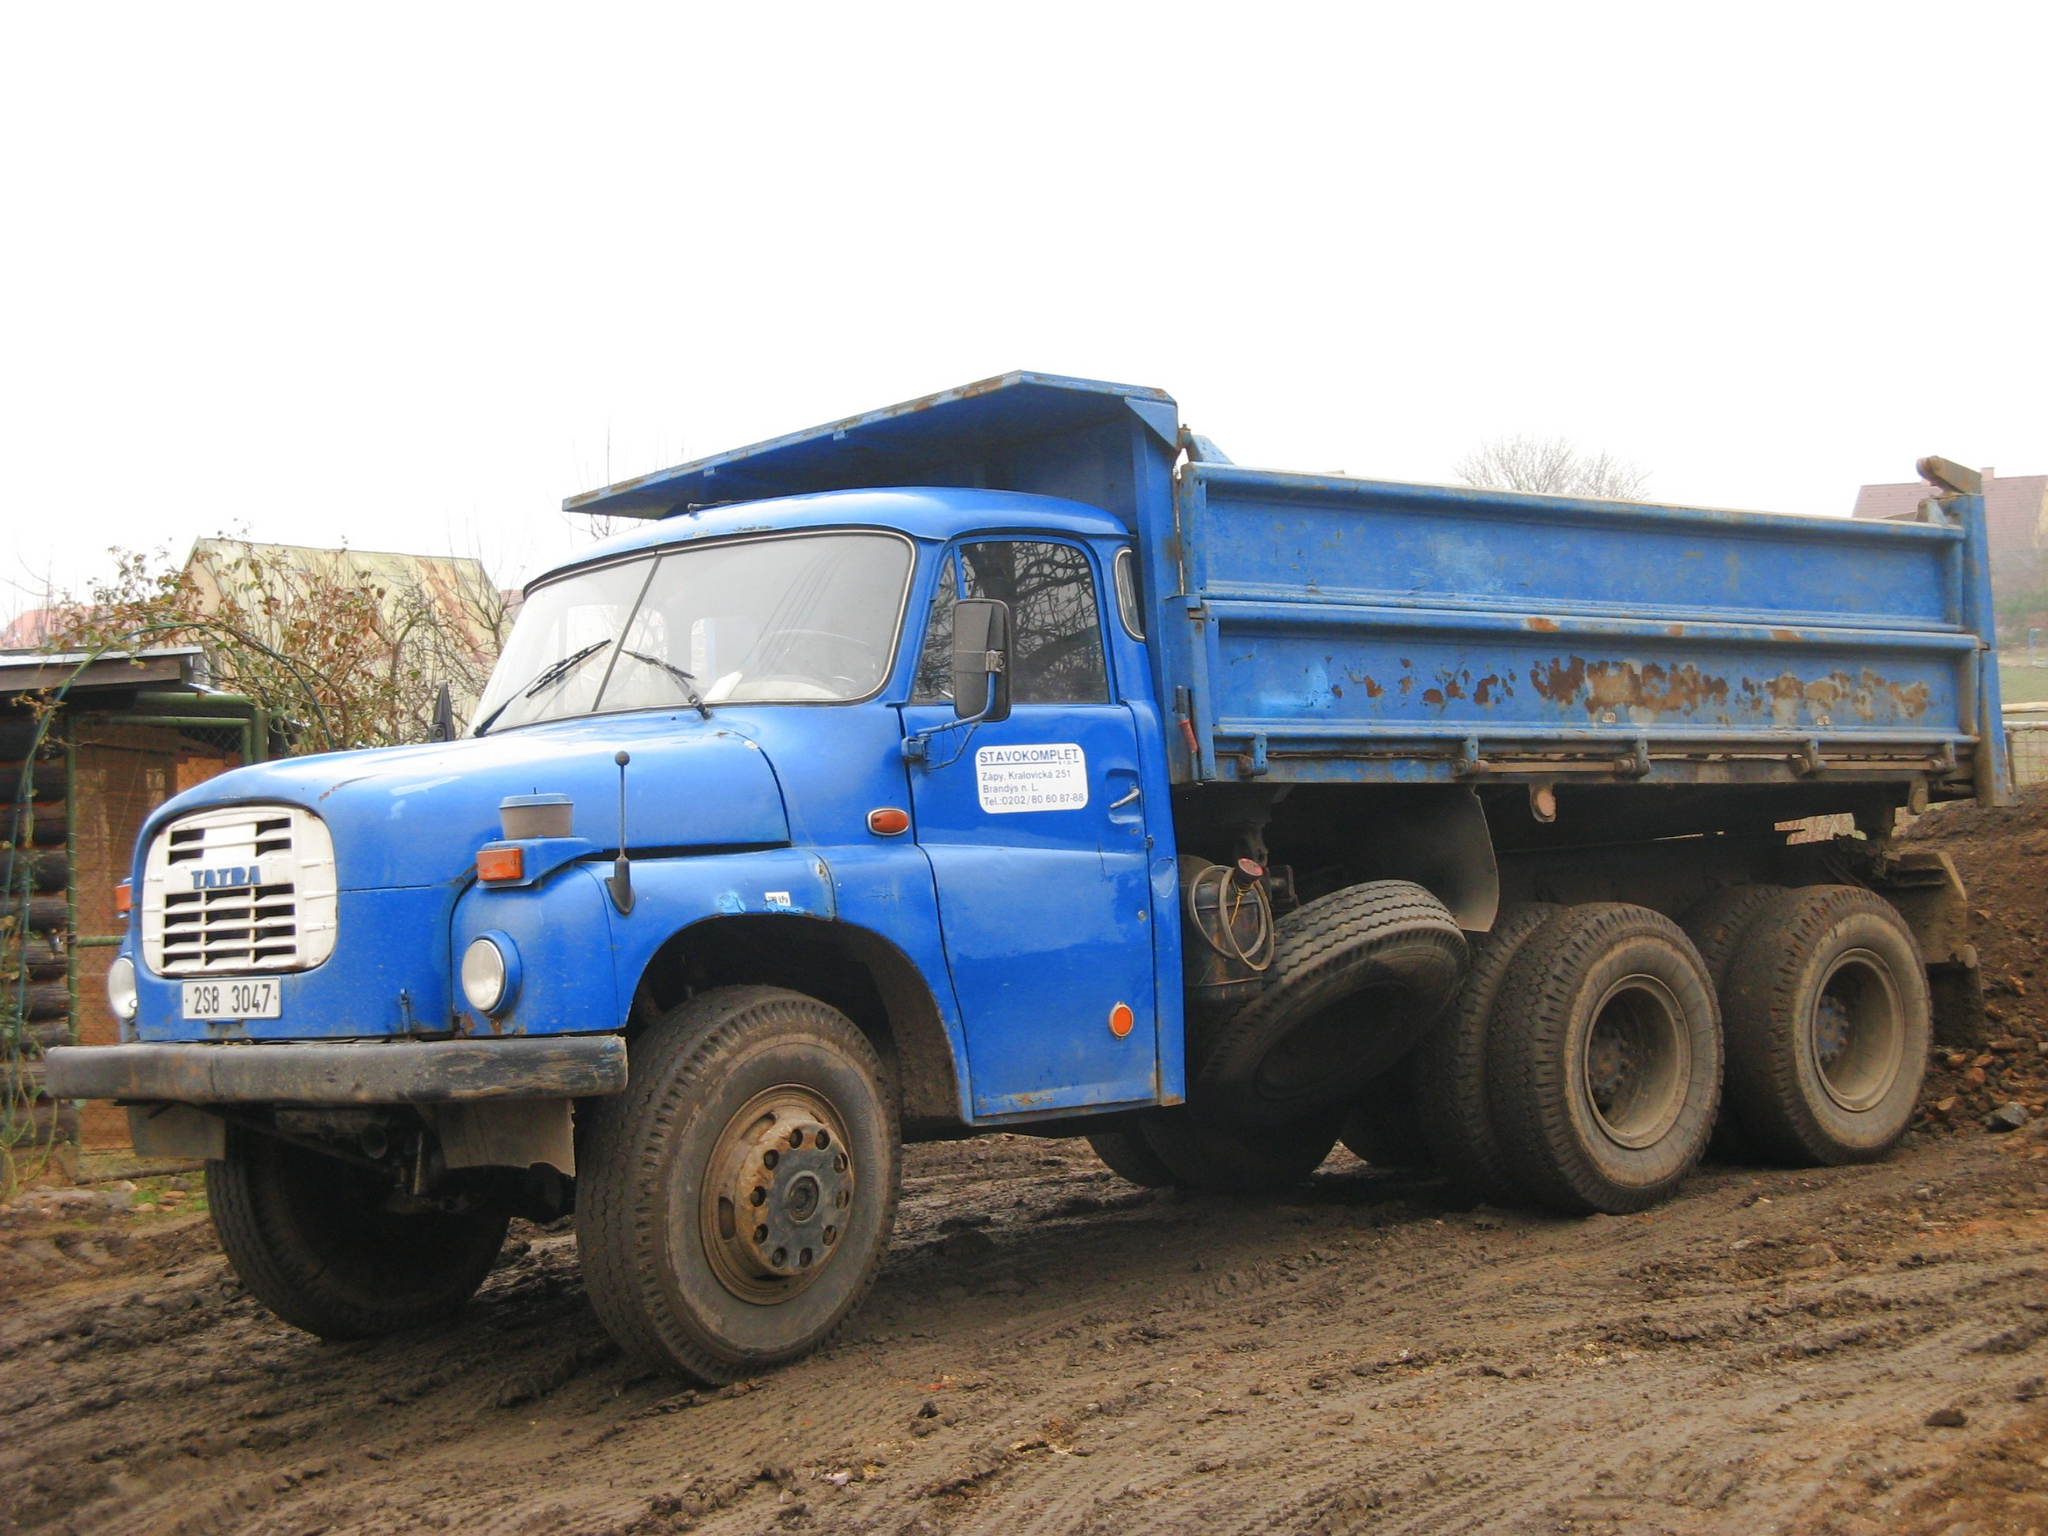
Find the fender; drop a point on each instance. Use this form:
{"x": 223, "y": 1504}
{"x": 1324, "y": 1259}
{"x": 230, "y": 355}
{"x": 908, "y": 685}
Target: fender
{"x": 564, "y": 925}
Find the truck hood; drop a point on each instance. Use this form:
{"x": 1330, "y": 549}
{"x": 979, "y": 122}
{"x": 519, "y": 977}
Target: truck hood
{"x": 411, "y": 816}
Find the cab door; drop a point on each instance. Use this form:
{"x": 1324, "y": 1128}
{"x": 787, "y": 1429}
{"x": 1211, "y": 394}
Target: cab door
{"x": 1035, "y": 829}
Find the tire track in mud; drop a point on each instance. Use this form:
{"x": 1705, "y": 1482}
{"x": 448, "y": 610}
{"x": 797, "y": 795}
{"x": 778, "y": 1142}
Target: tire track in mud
{"x": 1049, "y": 1350}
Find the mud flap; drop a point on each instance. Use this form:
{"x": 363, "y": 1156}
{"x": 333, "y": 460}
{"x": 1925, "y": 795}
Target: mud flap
{"x": 1957, "y": 995}
{"x": 507, "y": 1133}
{"x": 177, "y": 1130}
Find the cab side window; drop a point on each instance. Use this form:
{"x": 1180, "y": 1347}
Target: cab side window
{"x": 1055, "y": 632}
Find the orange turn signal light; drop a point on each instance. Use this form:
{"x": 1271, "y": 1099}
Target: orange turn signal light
{"x": 501, "y": 864}
{"x": 888, "y": 821}
{"x": 124, "y": 898}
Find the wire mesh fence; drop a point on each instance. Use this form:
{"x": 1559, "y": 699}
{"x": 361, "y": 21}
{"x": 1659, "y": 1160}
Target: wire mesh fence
{"x": 2027, "y": 742}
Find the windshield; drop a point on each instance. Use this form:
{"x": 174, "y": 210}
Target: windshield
{"x": 802, "y": 619}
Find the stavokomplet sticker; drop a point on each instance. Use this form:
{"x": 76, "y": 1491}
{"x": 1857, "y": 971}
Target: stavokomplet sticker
{"x": 1051, "y": 776}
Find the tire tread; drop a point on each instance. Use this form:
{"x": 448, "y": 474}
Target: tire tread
{"x": 616, "y": 1240}
{"x": 1316, "y": 943}
{"x": 1530, "y": 1081}
{"x": 1456, "y": 1115}
{"x": 1765, "y": 978}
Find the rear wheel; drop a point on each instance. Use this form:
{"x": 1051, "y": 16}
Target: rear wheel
{"x": 737, "y": 1197}
{"x": 1828, "y": 1021}
{"x": 316, "y": 1241}
{"x": 1717, "y": 922}
{"x": 1455, "y": 1116}
{"x": 1716, "y": 925}
{"x": 1356, "y": 977}
{"x": 1605, "y": 1059}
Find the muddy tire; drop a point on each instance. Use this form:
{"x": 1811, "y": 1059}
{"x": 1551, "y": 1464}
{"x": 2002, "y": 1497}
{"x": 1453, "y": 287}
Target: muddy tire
{"x": 1383, "y": 1128}
{"x": 311, "y": 1239}
{"x": 1604, "y": 1062}
{"x": 1357, "y": 976}
{"x": 735, "y": 1200}
{"x": 1129, "y": 1156}
{"x": 1199, "y": 1152}
{"x": 1716, "y": 924}
{"x": 1452, "y": 1110}
{"x": 1828, "y": 1021}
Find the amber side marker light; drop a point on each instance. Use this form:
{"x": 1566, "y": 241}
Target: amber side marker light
{"x": 124, "y": 898}
{"x": 500, "y": 864}
{"x": 888, "y": 821}
{"x": 1121, "y": 1020}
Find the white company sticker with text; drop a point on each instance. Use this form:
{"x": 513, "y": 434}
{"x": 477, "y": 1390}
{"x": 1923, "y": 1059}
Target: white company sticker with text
{"x": 1051, "y": 777}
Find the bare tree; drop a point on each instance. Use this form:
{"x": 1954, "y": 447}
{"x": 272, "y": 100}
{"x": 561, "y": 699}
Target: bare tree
{"x": 1555, "y": 466}
{"x": 601, "y": 525}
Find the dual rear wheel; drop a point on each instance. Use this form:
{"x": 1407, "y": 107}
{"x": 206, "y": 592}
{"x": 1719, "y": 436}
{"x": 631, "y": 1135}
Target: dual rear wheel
{"x": 1579, "y": 1066}
{"x": 1594, "y": 1050}
{"x": 1603, "y": 1059}
{"x": 1825, "y": 1002}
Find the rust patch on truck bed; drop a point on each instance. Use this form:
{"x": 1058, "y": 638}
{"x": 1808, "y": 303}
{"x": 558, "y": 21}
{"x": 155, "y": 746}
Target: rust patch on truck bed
{"x": 1784, "y": 695}
{"x": 1618, "y": 685}
{"x": 1786, "y": 699}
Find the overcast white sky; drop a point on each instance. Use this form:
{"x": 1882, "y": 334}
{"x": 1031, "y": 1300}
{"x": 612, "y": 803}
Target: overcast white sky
{"x": 408, "y": 275}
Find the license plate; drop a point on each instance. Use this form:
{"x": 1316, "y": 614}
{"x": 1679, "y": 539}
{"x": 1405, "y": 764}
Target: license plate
{"x": 231, "y": 999}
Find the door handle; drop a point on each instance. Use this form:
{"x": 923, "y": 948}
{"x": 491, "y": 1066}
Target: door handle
{"x": 1117, "y": 805}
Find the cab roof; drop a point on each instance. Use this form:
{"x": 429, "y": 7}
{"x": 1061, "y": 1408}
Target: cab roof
{"x": 1019, "y": 431}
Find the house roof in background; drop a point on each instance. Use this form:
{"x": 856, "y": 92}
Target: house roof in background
{"x": 387, "y": 565}
{"x": 2015, "y": 508}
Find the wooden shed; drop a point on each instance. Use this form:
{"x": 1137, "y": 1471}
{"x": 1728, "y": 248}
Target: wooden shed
{"x": 89, "y": 746}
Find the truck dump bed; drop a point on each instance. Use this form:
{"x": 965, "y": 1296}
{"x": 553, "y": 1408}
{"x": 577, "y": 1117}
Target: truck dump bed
{"x": 1314, "y": 628}
{"x": 1353, "y": 628}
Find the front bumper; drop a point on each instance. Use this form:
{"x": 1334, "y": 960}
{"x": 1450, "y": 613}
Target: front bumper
{"x": 400, "y": 1072}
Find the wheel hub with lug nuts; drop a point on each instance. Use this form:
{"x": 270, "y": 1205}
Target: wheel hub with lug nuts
{"x": 780, "y": 1191}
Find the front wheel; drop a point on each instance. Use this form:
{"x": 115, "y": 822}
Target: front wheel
{"x": 315, "y": 1240}
{"x": 736, "y": 1198}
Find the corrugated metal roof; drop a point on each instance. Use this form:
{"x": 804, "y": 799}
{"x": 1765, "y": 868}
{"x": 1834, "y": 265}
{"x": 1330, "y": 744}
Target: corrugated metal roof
{"x": 165, "y": 666}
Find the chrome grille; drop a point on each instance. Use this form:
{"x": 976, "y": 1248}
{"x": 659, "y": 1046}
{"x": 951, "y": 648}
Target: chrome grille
{"x": 240, "y": 889}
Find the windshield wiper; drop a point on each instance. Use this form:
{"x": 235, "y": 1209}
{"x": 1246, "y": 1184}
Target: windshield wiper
{"x": 553, "y": 672}
{"x": 688, "y": 679}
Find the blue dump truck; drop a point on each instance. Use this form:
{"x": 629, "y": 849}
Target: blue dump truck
{"x": 1010, "y": 760}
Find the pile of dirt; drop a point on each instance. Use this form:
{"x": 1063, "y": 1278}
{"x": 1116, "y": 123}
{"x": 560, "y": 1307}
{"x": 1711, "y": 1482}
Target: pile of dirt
{"x": 2002, "y": 855}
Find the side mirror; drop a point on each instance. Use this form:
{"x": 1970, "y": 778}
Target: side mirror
{"x": 981, "y": 657}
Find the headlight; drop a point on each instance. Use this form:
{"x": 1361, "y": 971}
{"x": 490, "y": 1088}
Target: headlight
{"x": 490, "y": 973}
{"x": 121, "y": 989}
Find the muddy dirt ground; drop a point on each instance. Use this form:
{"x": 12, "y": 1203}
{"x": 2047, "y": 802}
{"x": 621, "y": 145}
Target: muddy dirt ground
{"x": 1051, "y": 1350}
